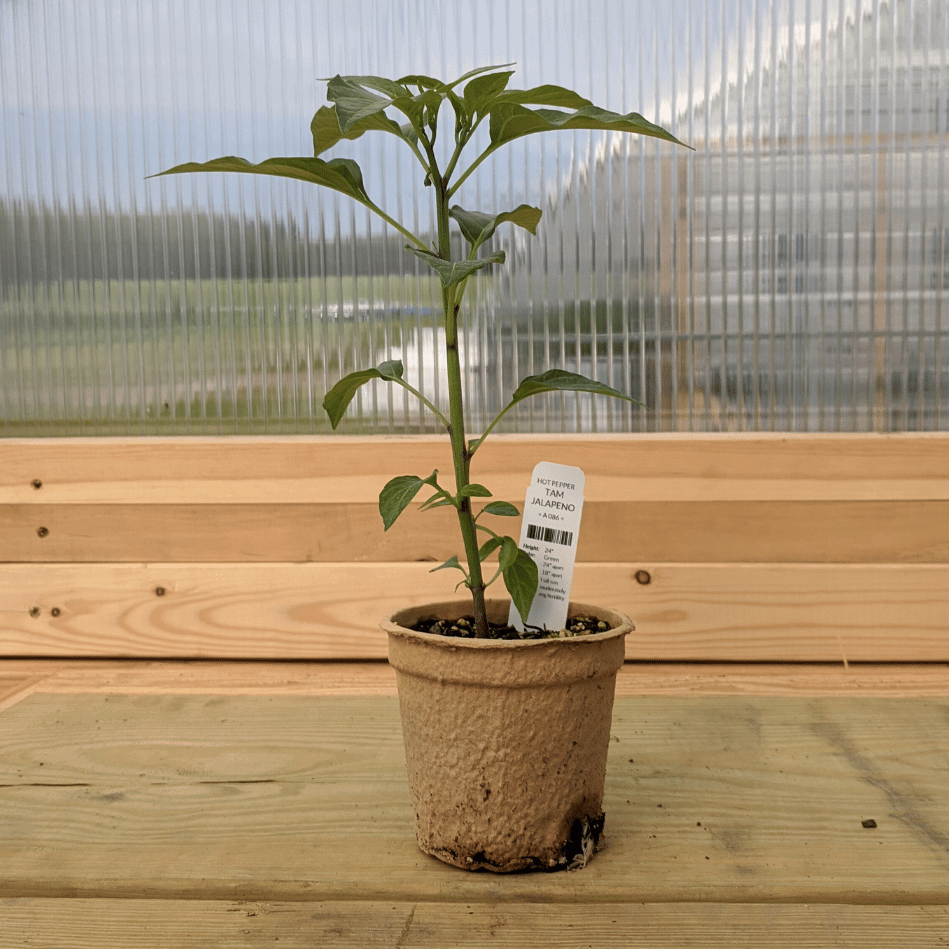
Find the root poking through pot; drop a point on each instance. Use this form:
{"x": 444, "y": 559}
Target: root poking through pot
{"x": 464, "y": 628}
{"x": 584, "y": 842}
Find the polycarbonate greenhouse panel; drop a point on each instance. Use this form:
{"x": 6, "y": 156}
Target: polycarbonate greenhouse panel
{"x": 790, "y": 274}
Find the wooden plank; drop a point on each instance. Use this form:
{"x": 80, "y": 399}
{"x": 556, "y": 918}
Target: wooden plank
{"x": 708, "y": 612}
{"x": 161, "y": 924}
{"x": 211, "y": 677}
{"x": 896, "y": 531}
{"x": 236, "y": 677}
{"x": 276, "y": 798}
{"x": 11, "y": 682}
{"x": 783, "y": 679}
{"x": 15, "y": 686}
{"x": 619, "y": 467}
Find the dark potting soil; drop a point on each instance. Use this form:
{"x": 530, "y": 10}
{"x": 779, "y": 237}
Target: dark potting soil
{"x": 464, "y": 627}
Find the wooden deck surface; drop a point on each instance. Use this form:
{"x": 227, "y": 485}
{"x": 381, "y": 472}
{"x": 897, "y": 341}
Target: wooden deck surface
{"x": 238, "y": 804}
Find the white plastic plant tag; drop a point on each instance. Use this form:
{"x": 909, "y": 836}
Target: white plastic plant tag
{"x": 550, "y": 530}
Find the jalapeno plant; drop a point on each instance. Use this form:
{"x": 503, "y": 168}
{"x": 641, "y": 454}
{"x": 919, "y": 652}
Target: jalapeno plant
{"x": 437, "y": 121}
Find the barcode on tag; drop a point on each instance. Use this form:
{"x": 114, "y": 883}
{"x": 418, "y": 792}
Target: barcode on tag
{"x": 549, "y": 535}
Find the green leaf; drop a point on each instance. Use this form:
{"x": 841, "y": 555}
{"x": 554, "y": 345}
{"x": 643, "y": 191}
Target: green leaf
{"x": 462, "y": 114}
{"x": 451, "y": 272}
{"x": 398, "y": 493}
{"x": 484, "y": 89}
{"x": 340, "y": 174}
{"x": 520, "y": 578}
{"x": 508, "y": 554}
{"x": 450, "y": 564}
{"x": 474, "y": 491}
{"x": 391, "y": 369}
{"x": 510, "y": 121}
{"x": 501, "y": 509}
{"x": 489, "y": 547}
{"x": 355, "y": 104}
{"x": 409, "y": 133}
{"x": 337, "y": 400}
{"x": 477, "y": 72}
{"x": 427, "y": 82}
{"x": 327, "y": 133}
{"x": 417, "y": 108}
{"x": 559, "y": 380}
{"x": 423, "y": 82}
{"x": 547, "y": 94}
{"x": 436, "y": 500}
{"x": 478, "y": 227}
{"x": 390, "y": 88}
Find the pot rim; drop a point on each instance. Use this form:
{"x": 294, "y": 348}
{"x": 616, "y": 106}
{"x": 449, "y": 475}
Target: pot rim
{"x": 393, "y": 628}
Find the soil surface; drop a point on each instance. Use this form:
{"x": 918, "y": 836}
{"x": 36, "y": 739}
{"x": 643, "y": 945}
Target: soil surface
{"x": 464, "y": 627}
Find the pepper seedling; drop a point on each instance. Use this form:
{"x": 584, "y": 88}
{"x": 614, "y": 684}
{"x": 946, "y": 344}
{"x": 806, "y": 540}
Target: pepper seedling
{"x": 363, "y": 104}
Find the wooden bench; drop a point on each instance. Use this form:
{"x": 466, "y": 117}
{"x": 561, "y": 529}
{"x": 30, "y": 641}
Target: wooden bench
{"x": 171, "y": 772}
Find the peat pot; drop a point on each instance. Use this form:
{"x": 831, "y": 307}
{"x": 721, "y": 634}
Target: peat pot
{"x": 506, "y": 741}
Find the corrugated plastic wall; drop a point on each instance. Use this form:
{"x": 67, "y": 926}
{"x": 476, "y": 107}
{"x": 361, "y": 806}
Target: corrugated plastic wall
{"x": 789, "y": 274}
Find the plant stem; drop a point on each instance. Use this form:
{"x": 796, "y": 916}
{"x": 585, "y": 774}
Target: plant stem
{"x": 490, "y": 150}
{"x": 426, "y": 402}
{"x": 461, "y": 459}
{"x": 392, "y": 222}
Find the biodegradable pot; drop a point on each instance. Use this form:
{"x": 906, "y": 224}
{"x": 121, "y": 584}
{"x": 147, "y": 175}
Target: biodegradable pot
{"x": 506, "y": 741}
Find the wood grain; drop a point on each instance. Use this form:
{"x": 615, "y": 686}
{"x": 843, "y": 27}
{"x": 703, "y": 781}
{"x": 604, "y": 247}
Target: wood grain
{"x": 346, "y": 468}
{"x": 23, "y": 677}
{"x": 705, "y": 612}
{"x": 893, "y": 531}
{"x": 162, "y": 924}
{"x": 11, "y": 682}
{"x": 714, "y": 800}
{"x": 759, "y": 547}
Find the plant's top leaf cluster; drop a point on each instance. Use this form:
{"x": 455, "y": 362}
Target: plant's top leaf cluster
{"x": 361, "y": 101}
{"x": 360, "y": 105}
